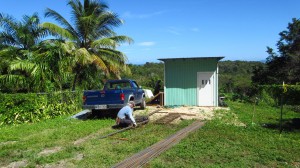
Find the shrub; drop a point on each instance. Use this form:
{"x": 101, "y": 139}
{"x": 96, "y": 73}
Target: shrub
{"x": 275, "y": 92}
{"x": 32, "y": 107}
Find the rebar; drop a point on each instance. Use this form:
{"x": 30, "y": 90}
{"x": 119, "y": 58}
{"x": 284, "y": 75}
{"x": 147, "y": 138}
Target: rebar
{"x": 149, "y": 153}
{"x": 124, "y": 129}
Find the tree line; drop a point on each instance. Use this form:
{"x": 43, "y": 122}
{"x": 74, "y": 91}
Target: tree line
{"x": 38, "y": 57}
{"x": 283, "y": 65}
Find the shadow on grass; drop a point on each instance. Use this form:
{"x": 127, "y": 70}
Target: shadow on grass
{"x": 290, "y": 125}
{"x": 97, "y": 114}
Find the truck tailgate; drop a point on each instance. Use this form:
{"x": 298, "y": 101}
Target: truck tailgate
{"x": 101, "y": 97}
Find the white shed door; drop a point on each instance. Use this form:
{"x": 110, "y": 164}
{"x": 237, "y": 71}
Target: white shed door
{"x": 205, "y": 83}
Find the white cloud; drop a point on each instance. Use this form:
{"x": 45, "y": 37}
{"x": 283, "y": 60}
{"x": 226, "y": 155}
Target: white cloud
{"x": 146, "y": 43}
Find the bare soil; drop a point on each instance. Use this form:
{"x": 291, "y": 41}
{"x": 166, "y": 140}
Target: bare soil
{"x": 186, "y": 113}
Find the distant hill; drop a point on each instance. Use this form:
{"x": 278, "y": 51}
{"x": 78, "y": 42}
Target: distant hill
{"x": 235, "y": 76}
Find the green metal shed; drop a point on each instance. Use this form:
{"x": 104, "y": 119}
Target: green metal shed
{"x": 191, "y": 81}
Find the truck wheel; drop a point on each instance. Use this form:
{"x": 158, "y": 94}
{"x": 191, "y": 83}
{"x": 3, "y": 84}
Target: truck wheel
{"x": 143, "y": 104}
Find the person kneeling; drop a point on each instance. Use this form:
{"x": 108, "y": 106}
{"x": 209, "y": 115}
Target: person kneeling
{"x": 125, "y": 117}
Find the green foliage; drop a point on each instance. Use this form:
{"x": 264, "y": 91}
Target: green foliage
{"x": 94, "y": 41}
{"x": 295, "y": 108}
{"x": 235, "y": 80}
{"x": 266, "y": 98}
{"x": 272, "y": 94}
{"x": 146, "y": 75}
{"x": 284, "y": 65}
{"x": 32, "y": 107}
{"x": 235, "y": 77}
{"x": 81, "y": 52}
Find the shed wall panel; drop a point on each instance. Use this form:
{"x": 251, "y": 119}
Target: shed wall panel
{"x": 181, "y": 79}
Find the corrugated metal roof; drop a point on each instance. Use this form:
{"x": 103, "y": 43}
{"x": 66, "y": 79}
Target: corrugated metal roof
{"x": 188, "y": 58}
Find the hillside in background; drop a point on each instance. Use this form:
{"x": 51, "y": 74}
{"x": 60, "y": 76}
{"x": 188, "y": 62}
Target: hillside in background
{"x": 235, "y": 76}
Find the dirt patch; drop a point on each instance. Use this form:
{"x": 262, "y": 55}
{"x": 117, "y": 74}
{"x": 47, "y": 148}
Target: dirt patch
{"x": 7, "y": 143}
{"x": 186, "y": 113}
{"x": 230, "y": 118}
{"x": 64, "y": 163}
{"x": 22, "y": 163}
{"x": 49, "y": 151}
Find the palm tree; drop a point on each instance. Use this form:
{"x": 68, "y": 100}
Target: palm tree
{"x": 21, "y": 35}
{"x": 18, "y": 41}
{"x": 94, "y": 40}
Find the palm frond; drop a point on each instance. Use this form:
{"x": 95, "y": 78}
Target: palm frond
{"x": 100, "y": 64}
{"x": 58, "y": 31}
{"x": 22, "y": 65}
{"x": 83, "y": 57}
{"x": 104, "y": 43}
{"x": 111, "y": 42}
{"x": 61, "y": 20}
{"x": 110, "y": 54}
{"x": 8, "y": 23}
{"x": 109, "y": 19}
{"x": 18, "y": 81}
{"x": 122, "y": 39}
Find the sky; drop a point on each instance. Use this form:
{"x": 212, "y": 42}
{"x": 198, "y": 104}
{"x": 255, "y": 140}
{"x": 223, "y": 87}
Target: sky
{"x": 235, "y": 29}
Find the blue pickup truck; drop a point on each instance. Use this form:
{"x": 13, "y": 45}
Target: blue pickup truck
{"x": 115, "y": 95}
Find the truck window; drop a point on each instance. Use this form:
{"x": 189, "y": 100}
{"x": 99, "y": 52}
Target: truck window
{"x": 135, "y": 85}
{"x": 126, "y": 85}
{"x": 117, "y": 85}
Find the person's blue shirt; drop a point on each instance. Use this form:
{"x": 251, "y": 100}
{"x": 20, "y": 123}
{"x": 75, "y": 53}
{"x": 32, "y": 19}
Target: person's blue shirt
{"x": 126, "y": 111}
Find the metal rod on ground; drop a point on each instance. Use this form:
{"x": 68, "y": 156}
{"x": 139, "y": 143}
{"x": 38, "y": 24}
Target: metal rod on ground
{"x": 124, "y": 129}
{"x": 144, "y": 156}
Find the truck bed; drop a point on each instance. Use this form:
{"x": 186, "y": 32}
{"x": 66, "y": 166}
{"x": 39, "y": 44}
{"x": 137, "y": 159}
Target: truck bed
{"x": 115, "y": 95}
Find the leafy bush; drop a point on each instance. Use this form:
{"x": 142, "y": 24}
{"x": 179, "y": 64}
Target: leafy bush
{"x": 268, "y": 94}
{"x": 295, "y": 108}
{"x": 32, "y": 107}
{"x": 266, "y": 98}
{"x": 275, "y": 92}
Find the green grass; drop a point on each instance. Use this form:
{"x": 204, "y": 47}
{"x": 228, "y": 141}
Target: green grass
{"x": 220, "y": 143}
{"x": 233, "y": 139}
{"x": 27, "y": 141}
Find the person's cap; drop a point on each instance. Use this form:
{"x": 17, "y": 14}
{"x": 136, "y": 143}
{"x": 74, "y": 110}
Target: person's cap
{"x": 131, "y": 103}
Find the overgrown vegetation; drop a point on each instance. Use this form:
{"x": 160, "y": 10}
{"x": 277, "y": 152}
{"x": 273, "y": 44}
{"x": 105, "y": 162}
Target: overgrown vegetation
{"x": 241, "y": 137}
{"x": 34, "y": 107}
{"x": 235, "y": 78}
{"x": 147, "y": 75}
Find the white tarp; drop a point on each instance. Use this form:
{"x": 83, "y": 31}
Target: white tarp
{"x": 148, "y": 93}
